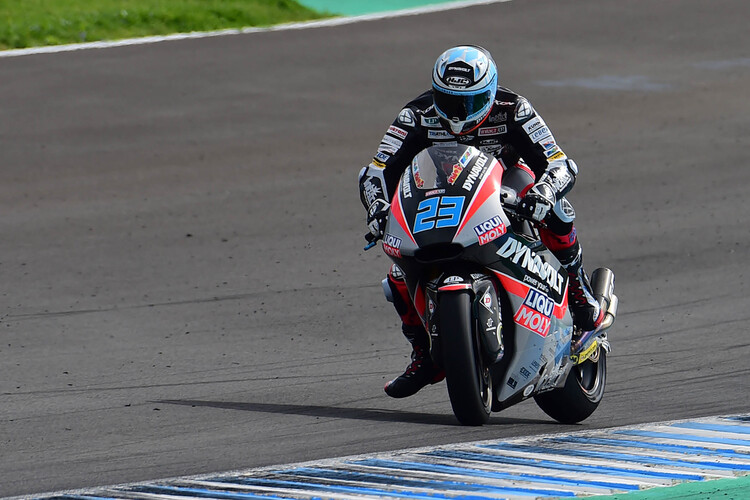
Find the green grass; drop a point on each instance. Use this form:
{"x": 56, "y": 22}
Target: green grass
{"x": 32, "y": 23}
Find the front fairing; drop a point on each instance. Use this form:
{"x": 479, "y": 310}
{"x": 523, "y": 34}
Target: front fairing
{"x": 452, "y": 198}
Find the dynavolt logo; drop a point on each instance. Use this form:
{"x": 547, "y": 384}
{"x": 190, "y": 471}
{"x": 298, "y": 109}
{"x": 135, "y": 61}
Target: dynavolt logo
{"x": 521, "y": 255}
{"x": 475, "y": 173}
{"x": 405, "y": 188}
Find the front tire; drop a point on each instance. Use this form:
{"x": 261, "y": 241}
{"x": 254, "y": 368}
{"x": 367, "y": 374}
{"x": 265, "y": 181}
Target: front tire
{"x": 468, "y": 379}
{"x": 581, "y": 394}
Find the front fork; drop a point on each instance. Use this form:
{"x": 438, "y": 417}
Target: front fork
{"x": 485, "y": 312}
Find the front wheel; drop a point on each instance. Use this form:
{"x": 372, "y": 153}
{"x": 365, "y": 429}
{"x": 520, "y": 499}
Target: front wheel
{"x": 581, "y": 394}
{"x": 468, "y": 379}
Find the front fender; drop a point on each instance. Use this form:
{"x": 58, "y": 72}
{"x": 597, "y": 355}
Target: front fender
{"x": 486, "y": 312}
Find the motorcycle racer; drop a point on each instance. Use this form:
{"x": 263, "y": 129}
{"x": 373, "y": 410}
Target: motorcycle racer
{"x": 467, "y": 106}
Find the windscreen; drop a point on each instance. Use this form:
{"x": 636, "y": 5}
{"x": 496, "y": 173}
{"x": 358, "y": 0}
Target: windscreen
{"x": 439, "y": 166}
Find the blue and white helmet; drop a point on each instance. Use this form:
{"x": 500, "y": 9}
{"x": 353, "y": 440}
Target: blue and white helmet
{"x": 464, "y": 82}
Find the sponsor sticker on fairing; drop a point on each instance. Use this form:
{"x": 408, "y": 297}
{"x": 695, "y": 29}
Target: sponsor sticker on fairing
{"x": 535, "y": 312}
{"x": 457, "y": 169}
{"x": 487, "y": 300}
{"x": 475, "y": 172}
{"x": 392, "y": 245}
{"x": 417, "y": 177}
{"x": 405, "y": 188}
{"x": 523, "y": 256}
{"x": 490, "y": 230}
{"x": 466, "y": 157}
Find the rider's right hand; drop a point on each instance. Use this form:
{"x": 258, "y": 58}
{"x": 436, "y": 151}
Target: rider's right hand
{"x": 377, "y": 215}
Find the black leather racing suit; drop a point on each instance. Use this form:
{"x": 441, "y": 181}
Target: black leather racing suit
{"x": 513, "y": 132}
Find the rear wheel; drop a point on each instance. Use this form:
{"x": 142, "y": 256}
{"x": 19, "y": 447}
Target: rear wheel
{"x": 581, "y": 394}
{"x": 468, "y": 379}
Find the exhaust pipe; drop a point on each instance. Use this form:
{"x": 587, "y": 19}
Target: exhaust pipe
{"x": 603, "y": 285}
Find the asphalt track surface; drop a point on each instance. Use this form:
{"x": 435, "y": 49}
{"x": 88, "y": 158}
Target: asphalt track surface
{"x": 183, "y": 282}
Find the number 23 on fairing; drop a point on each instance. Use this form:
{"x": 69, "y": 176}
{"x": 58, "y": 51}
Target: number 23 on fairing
{"x": 438, "y": 213}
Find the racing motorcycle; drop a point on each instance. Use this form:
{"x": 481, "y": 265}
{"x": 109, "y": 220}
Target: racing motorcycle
{"x": 491, "y": 296}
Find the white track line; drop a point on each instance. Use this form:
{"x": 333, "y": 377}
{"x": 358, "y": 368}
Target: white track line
{"x": 339, "y": 21}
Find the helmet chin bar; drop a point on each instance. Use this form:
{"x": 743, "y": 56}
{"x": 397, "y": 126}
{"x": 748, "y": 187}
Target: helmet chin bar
{"x": 456, "y": 126}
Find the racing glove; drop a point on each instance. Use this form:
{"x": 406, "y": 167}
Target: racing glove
{"x": 377, "y": 216}
{"x": 537, "y": 203}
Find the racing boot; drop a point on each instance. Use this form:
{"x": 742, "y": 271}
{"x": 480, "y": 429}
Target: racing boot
{"x": 420, "y": 372}
{"x": 588, "y": 314}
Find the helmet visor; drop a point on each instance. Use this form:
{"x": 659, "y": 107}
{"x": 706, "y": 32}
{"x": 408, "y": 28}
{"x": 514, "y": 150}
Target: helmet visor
{"x": 461, "y": 107}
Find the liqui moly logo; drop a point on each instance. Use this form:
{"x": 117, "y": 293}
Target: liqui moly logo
{"x": 535, "y": 313}
{"x": 392, "y": 245}
{"x": 490, "y": 230}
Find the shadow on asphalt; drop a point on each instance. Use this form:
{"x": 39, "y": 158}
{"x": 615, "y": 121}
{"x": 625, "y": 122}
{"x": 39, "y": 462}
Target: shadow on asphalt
{"x": 379, "y": 415}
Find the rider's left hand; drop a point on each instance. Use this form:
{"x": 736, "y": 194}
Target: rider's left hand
{"x": 537, "y": 203}
{"x": 377, "y": 215}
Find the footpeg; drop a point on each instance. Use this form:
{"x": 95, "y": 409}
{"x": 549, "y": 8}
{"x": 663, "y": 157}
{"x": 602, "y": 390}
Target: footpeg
{"x": 603, "y": 286}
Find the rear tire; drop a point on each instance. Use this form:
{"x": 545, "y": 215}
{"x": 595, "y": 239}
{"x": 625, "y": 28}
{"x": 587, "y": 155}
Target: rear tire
{"x": 581, "y": 394}
{"x": 468, "y": 379}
